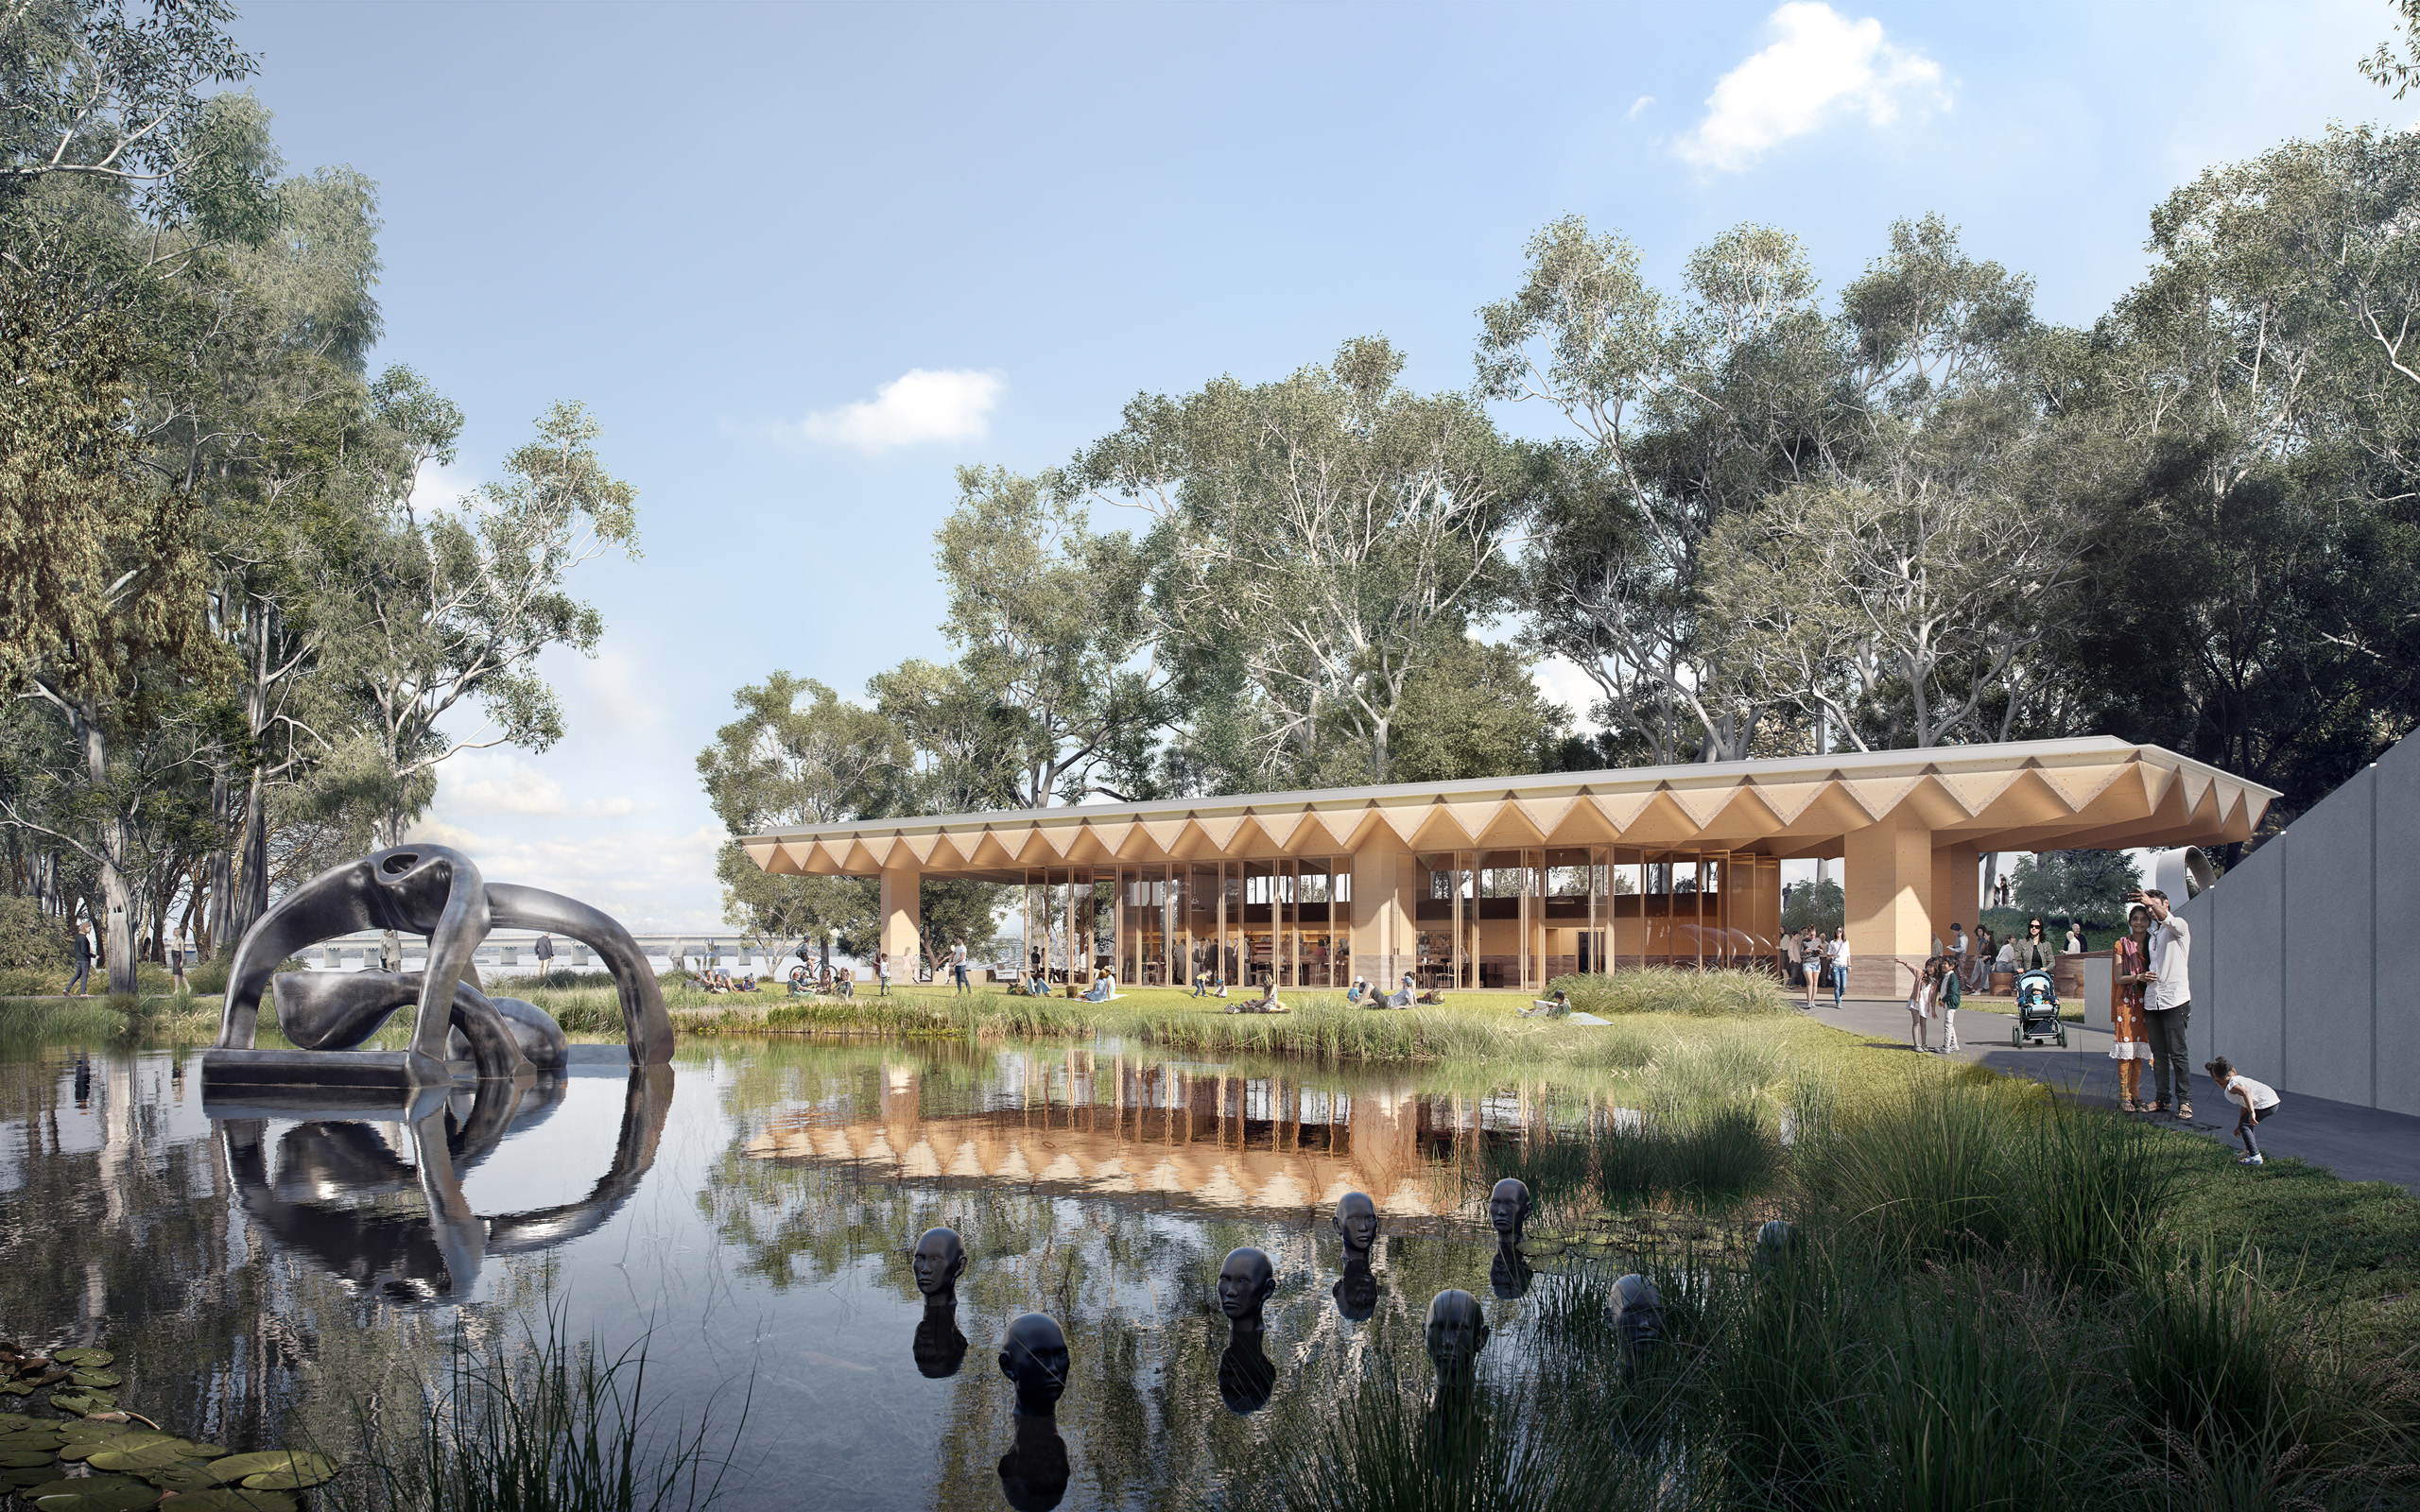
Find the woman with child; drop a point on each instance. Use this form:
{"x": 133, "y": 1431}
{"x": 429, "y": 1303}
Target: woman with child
{"x": 2131, "y": 1047}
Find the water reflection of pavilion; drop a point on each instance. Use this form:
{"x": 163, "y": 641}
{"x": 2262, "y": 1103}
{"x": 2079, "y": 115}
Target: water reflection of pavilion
{"x": 1206, "y": 1136}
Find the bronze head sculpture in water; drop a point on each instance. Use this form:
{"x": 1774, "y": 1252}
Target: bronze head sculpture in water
{"x": 1357, "y": 1223}
{"x": 1457, "y": 1332}
{"x": 1033, "y": 1355}
{"x": 1508, "y": 1209}
{"x": 938, "y": 1260}
{"x": 1245, "y": 1282}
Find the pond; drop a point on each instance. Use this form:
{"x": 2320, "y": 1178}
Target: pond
{"x": 262, "y": 1272}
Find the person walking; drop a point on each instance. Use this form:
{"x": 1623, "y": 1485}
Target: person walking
{"x": 1987, "y": 945}
{"x": 1839, "y": 954}
{"x": 2075, "y": 938}
{"x": 1810, "y": 967}
{"x": 1792, "y": 949}
{"x": 82, "y": 984}
{"x": 545, "y": 951}
{"x": 2254, "y": 1104}
{"x": 2130, "y": 1047}
{"x": 882, "y": 973}
{"x": 2034, "y": 953}
{"x": 2168, "y": 1002}
{"x": 958, "y": 966}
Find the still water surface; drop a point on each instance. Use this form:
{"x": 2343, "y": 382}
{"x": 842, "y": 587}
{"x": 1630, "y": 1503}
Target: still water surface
{"x": 749, "y": 1211}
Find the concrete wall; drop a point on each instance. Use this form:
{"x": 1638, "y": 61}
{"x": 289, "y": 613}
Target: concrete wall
{"x": 2303, "y": 971}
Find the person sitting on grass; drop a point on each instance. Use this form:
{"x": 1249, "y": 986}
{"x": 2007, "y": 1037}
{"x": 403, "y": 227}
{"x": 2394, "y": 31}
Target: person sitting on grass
{"x": 747, "y": 982}
{"x": 802, "y": 982}
{"x": 1556, "y": 1007}
{"x": 1267, "y": 1003}
{"x": 845, "y": 982}
{"x": 2254, "y": 1104}
{"x": 1361, "y": 991}
{"x": 1105, "y": 986}
{"x": 1402, "y": 996}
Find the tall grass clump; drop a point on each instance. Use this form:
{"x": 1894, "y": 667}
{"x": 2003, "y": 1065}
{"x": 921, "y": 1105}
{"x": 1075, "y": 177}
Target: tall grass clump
{"x": 1926, "y": 1173}
{"x": 1391, "y": 1446}
{"x": 2096, "y": 1188}
{"x": 1671, "y": 989}
{"x": 540, "y": 1426}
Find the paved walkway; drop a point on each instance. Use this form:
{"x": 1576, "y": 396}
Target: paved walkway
{"x": 2358, "y": 1143}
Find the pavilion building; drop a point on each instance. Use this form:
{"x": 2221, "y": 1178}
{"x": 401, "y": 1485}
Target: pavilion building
{"x": 1509, "y": 882}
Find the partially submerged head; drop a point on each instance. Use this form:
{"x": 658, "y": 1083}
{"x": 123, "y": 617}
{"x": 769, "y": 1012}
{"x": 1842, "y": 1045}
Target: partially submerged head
{"x": 1245, "y": 1282}
{"x": 1508, "y": 1207}
{"x": 939, "y": 1260}
{"x": 1356, "y": 1221}
{"x": 1457, "y": 1331}
{"x": 1034, "y": 1354}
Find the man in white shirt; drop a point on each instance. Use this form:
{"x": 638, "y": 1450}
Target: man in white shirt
{"x": 2168, "y": 1004}
{"x": 957, "y": 969}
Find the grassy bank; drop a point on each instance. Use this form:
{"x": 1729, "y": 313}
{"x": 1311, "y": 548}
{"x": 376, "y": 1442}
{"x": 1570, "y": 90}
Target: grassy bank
{"x": 1993, "y": 1297}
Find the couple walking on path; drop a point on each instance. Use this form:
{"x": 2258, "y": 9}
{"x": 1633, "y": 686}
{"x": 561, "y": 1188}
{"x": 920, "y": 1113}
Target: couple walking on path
{"x": 1821, "y": 961}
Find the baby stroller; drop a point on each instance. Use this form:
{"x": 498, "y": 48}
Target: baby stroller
{"x": 2037, "y": 1011}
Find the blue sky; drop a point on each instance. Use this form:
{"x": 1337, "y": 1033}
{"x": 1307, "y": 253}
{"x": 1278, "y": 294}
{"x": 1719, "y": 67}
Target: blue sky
{"x": 801, "y": 260}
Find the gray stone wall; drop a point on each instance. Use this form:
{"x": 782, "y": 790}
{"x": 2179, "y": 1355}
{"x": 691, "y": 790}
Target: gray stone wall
{"x": 2307, "y": 957}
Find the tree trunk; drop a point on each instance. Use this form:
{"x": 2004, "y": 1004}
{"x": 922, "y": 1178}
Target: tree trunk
{"x": 119, "y": 927}
{"x": 249, "y": 895}
{"x": 217, "y": 875}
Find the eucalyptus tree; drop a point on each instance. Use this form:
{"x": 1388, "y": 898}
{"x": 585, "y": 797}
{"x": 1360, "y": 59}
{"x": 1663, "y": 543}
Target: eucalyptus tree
{"x": 2261, "y": 570}
{"x": 121, "y": 180}
{"x": 1051, "y": 624}
{"x": 1682, "y": 412}
{"x": 1310, "y": 536}
{"x": 450, "y": 607}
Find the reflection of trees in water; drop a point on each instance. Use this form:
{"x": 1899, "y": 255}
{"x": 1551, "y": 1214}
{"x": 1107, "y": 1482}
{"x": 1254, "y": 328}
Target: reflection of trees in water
{"x": 1132, "y": 1281}
{"x": 141, "y": 1246}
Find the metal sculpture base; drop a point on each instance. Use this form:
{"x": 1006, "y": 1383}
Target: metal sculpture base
{"x": 343, "y": 1075}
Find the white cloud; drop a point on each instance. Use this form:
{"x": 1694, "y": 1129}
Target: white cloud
{"x": 921, "y": 404}
{"x": 1820, "y": 66}
{"x": 651, "y": 879}
{"x": 1637, "y": 105}
{"x": 495, "y": 781}
{"x": 440, "y": 486}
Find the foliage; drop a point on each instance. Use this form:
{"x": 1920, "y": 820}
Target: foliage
{"x": 32, "y": 940}
{"x": 535, "y": 1424}
{"x": 1474, "y": 711}
{"x": 1819, "y": 905}
{"x": 1665, "y": 989}
{"x": 2081, "y": 884}
{"x": 1309, "y": 536}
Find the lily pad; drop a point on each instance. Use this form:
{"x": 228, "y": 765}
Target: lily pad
{"x": 30, "y": 1475}
{"x": 18, "y": 1459}
{"x": 114, "y": 1498}
{"x": 67, "y": 1487}
{"x": 233, "y": 1499}
{"x": 83, "y": 1357}
{"x": 98, "y": 1378}
{"x": 140, "y": 1457}
{"x": 17, "y": 1388}
{"x": 184, "y": 1475}
{"x": 80, "y": 1403}
{"x": 277, "y": 1469}
{"x": 87, "y": 1439}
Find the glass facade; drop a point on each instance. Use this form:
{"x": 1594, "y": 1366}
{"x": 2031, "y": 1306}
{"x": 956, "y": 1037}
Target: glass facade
{"x": 1520, "y": 918}
{"x": 1240, "y": 922}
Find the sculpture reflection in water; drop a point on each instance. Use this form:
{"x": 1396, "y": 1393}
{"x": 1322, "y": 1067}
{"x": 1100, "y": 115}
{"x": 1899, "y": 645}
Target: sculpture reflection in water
{"x": 437, "y": 892}
{"x": 938, "y": 1260}
{"x": 1246, "y": 1376}
{"x": 1033, "y": 1355}
{"x": 323, "y": 1197}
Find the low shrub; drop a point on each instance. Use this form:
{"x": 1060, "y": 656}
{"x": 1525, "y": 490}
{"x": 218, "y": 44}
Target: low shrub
{"x": 33, "y": 940}
{"x": 1671, "y": 989}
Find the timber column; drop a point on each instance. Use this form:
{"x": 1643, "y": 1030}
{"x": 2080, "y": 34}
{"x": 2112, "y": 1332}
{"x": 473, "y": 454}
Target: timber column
{"x": 1385, "y": 931}
{"x": 1955, "y": 889}
{"x": 1887, "y": 889}
{"x": 902, "y": 888}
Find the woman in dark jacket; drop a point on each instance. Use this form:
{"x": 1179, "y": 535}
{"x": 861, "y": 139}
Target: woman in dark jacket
{"x": 2034, "y": 953}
